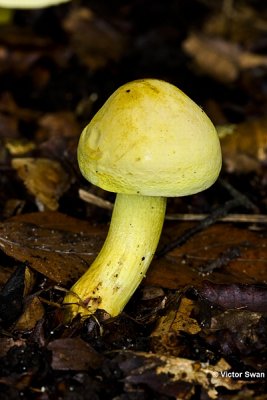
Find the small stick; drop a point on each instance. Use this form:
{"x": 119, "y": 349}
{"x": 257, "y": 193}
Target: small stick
{"x": 209, "y": 220}
{"x": 96, "y": 200}
{"x": 242, "y": 218}
{"x": 223, "y": 259}
{"x": 239, "y": 199}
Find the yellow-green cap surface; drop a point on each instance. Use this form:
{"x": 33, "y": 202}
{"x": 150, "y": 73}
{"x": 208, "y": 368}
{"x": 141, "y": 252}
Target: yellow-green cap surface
{"x": 30, "y": 3}
{"x": 152, "y": 139}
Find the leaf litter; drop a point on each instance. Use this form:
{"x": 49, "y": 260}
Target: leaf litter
{"x": 200, "y": 315}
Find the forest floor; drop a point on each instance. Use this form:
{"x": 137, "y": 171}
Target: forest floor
{"x": 196, "y": 328}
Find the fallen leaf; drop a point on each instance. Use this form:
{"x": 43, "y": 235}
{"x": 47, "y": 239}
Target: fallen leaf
{"x": 61, "y": 124}
{"x": 169, "y": 327}
{"x": 164, "y": 373}
{"x": 95, "y": 40}
{"x": 59, "y": 247}
{"x": 18, "y": 147}
{"x": 232, "y": 22}
{"x": 221, "y": 59}
{"x": 73, "y": 354}
{"x": 244, "y": 145}
{"x": 11, "y": 297}
{"x": 250, "y": 297}
{"x": 44, "y": 178}
{"x": 7, "y": 343}
{"x": 239, "y": 333}
{"x": 182, "y": 266}
{"x": 33, "y": 312}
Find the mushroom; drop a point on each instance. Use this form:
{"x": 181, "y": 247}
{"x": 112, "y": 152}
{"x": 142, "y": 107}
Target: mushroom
{"x": 149, "y": 141}
{"x": 30, "y": 3}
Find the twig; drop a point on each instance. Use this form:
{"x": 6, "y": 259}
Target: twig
{"x": 96, "y": 200}
{"x": 240, "y": 218}
{"x": 239, "y": 200}
{"x": 205, "y": 223}
{"x": 223, "y": 259}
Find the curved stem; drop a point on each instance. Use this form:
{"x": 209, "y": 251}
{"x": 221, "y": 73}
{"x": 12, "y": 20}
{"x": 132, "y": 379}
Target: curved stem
{"x": 122, "y": 263}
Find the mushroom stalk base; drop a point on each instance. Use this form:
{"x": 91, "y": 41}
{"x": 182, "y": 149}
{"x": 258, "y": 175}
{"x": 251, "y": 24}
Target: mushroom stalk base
{"x": 122, "y": 263}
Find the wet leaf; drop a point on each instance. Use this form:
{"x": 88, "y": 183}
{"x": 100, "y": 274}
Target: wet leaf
{"x": 183, "y": 266}
{"x": 59, "y": 247}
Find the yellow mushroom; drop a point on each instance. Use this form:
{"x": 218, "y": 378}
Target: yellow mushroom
{"x": 148, "y": 142}
{"x": 23, "y": 4}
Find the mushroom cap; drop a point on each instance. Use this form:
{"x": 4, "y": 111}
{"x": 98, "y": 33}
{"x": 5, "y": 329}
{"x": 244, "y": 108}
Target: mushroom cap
{"x": 30, "y": 3}
{"x": 149, "y": 138}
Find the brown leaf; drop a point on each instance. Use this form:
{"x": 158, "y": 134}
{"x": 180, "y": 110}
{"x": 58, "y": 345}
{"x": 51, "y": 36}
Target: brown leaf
{"x": 168, "y": 328}
{"x": 182, "y": 267}
{"x": 244, "y": 146}
{"x": 219, "y": 58}
{"x": 5, "y": 274}
{"x": 57, "y": 246}
{"x": 95, "y": 40}
{"x": 240, "y": 333}
{"x": 44, "y": 178}
{"x": 33, "y": 312}
{"x": 250, "y": 297}
{"x": 58, "y": 124}
{"x": 19, "y": 147}
{"x": 232, "y": 22}
{"x": 7, "y": 343}
{"x": 21, "y": 48}
{"x": 73, "y": 354}
{"x": 165, "y": 373}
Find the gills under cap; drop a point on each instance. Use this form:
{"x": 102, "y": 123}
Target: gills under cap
{"x": 149, "y": 138}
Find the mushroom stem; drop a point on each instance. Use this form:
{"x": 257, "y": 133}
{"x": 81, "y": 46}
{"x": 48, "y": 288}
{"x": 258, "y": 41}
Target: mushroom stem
{"x": 122, "y": 263}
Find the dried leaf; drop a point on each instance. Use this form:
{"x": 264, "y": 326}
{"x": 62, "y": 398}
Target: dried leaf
{"x": 11, "y": 297}
{"x": 7, "y": 343}
{"x": 5, "y": 274}
{"x": 233, "y": 23}
{"x": 61, "y": 124}
{"x": 32, "y": 313}
{"x": 244, "y": 146}
{"x": 44, "y": 178}
{"x": 73, "y": 354}
{"x": 239, "y": 333}
{"x": 235, "y": 321}
{"x": 169, "y": 326}
{"x": 219, "y": 58}
{"x": 18, "y": 147}
{"x": 164, "y": 373}
{"x": 57, "y": 246}
{"x": 95, "y": 40}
